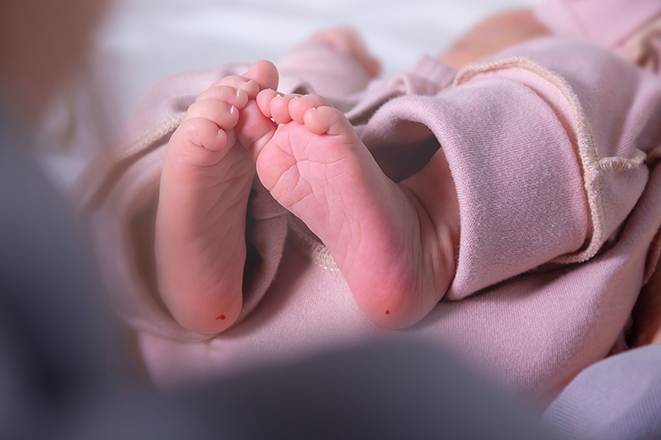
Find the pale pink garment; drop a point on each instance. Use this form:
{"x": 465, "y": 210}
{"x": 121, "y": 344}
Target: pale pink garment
{"x": 551, "y": 148}
{"x": 624, "y": 26}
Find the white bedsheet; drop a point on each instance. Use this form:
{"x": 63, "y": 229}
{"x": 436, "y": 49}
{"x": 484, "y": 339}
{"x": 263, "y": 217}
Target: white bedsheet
{"x": 145, "y": 40}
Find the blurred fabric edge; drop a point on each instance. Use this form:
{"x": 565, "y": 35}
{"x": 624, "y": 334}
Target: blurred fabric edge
{"x": 146, "y": 40}
{"x": 370, "y": 391}
{"x": 64, "y": 372}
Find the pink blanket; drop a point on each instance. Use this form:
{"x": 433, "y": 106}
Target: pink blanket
{"x": 552, "y": 145}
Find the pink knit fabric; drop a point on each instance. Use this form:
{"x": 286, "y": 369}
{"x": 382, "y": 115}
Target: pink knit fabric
{"x": 552, "y": 148}
{"x": 607, "y": 23}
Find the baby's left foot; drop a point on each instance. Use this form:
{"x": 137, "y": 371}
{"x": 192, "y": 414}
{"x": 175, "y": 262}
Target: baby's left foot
{"x": 396, "y": 253}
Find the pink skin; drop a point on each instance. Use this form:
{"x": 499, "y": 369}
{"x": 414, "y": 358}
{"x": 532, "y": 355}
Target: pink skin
{"x": 201, "y": 217}
{"x": 492, "y": 35}
{"x": 394, "y": 243}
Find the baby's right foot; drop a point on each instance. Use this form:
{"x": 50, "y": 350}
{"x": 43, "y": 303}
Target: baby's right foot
{"x": 394, "y": 243}
{"x": 201, "y": 217}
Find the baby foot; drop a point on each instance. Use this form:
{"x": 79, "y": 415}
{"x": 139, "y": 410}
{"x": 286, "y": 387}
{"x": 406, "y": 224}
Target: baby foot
{"x": 396, "y": 253}
{"x": 201, "y": 217}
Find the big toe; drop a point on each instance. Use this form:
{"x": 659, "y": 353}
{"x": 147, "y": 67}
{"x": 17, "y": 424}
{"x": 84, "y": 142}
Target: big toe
{"x": 264, "y": 73}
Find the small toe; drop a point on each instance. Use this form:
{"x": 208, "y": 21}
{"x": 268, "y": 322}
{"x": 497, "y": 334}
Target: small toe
{"x": 229, "y": 95}
{"x": 264, "y": 99}
{"x": 261, "y": 75}
{"x": 327, "y": 120}
{"x": 298, "y": 107}
{"x": 198, "y": 141}
{"x": 222, "y": 114}
{"x": 264, "y": 73}
{"x": 280, "y": 108}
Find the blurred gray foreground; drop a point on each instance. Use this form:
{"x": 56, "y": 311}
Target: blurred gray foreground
{"x": 64, "y": 372}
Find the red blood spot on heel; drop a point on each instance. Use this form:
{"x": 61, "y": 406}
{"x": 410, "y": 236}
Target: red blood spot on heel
{"x": 221, "y": 317}
{"x": 387, "y": 312}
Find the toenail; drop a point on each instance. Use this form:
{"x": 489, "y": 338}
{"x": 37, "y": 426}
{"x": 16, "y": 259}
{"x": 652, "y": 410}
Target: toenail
{"x": 238, "y": 93}
{"x": 232, "y": 109}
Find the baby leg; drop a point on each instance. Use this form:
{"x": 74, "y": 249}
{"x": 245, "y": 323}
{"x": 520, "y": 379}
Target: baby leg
{"x": 201, "y": 217}
{"x": 349, "y": 42}
{"x": 494, "y": 35}
{"x": 394, "y": 243}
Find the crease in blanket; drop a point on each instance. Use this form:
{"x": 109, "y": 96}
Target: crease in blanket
{"x": 654, "y": 253}
{"x": 594, "y": 168}
{"x": 309, "y": 245}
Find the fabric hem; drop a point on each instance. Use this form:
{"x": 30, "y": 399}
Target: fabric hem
{"x": 594, "y": 168}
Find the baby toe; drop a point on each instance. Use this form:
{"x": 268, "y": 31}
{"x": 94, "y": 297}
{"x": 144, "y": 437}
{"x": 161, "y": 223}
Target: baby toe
{"x": 248, "y": 85}
{"x": 264, "y": 99}
{"x": 298, "y": 107}
{"x": 227, "y": 94}
{"x": 198, "y": 139}
{"x": 327, "y": 120}
{"x": 261, "y": 75}
{"x": 264, "y": 73}
{"x": 280, "y": 108}
{"x": 225, "y": 116}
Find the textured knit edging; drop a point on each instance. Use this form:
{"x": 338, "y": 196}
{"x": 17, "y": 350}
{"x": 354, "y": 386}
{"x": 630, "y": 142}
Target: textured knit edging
{"x": 593, "y": 167}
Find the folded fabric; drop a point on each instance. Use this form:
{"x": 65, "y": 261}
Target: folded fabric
{"x": 551, "y": 145}
{"x": 617, "y": 398}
